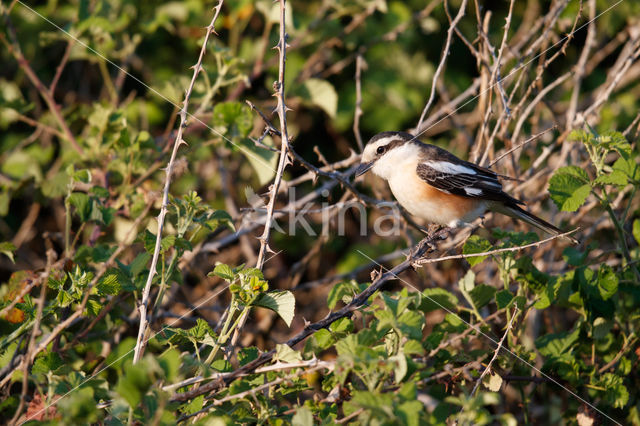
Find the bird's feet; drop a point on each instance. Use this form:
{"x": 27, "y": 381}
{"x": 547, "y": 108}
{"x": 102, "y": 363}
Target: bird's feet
{"x": 428, "y": 243}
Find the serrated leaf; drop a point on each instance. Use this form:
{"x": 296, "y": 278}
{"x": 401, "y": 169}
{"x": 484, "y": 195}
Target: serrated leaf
{"x": 555, "y": 345}
{"x": 569, "y": 188}
{"x": 223, "y": 271}
{"x": 503, "y": 298}
{"x": 50, "y": 361}
{"x": 109, "y": 285}
{"x": 482, "y": 294}
{"x": 281, "y": 302}
{"x": 616, "y": 177}
{"x": 476, "y": 244}
{"x": 607, "y": 282}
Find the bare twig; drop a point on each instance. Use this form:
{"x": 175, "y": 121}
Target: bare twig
{"x": 421, "y": 262}
{"x": 496, "y": 352}
{"x": 284, "y": 134}
{"x": 532, "y": 138}
{"x": 443, "y": 60}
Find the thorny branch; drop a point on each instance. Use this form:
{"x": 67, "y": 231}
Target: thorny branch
{"x": 144, "y": 302}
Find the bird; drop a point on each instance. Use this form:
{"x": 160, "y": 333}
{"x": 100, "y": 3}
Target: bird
{"x": 433, "y": 184}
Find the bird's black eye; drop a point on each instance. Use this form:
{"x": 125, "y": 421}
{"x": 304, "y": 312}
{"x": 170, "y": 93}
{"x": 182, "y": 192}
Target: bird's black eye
{"x": 380, "y": 150}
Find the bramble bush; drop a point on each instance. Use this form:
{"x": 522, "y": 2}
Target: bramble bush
{"x": 103, "y": 105}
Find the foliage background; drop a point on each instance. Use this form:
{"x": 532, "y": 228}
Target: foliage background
{"x": 83, "y": 154}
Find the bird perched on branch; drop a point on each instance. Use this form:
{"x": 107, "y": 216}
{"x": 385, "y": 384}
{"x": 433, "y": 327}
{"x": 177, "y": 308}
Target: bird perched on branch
{"x": 435, "y": 185}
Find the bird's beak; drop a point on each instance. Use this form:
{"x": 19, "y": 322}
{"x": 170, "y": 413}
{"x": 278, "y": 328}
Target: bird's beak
{"x": 364, "y": 168}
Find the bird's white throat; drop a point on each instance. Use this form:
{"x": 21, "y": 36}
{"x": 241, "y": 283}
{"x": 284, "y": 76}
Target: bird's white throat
{"x": 397, "y": 160}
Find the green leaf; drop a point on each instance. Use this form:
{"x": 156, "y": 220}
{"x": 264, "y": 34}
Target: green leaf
{"x": 343, "y": 291}
{"x": 138, "y": 264}
{"x": 246, "y": 355}
{"x": 636, "y": 230}
{"x": 222, "y": 365}
{"x": 234, "y": 118}
{"x": 281, "y": 302}
{"x": 556, "y": 345}
{"x": 285, "y": 354}
{"x": 601, "y": 328}
{"x": 569, "y": 188}
{"x": 109, "y": 285}
{"x": 437, "y": 298}
{"x": 482, "y": 294}
{"x": 411, "y": 324}
{"x": 50, "y": 361}
{"x": 82, "y": 203}
{"x": 503, "y": 298}
{"x": 616, "y": 177}
{"x": 303, "y": 417}
{"x": 400, "y": 367}
{"x": 476, "y": 244}
{"x": 169, "y": 361}
{"x": 412, "y": 347}
{"x": 57, "y": 186}
{"x": 409, "y": 412}
{"x": 263, "y": 161}
{"x": 223, "y": 271}
{"x": 7, "y": 248}
{"x": 322, "y": 94}
{"x": 135, "y": 382}
{"x": 79, "y": 407}
{"x": 607, "y": 282}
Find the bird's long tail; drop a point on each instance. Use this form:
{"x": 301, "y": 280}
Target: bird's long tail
{"x": 517, "y": 212}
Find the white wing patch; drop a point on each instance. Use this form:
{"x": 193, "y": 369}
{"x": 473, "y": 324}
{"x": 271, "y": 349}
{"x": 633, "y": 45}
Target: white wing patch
{"x": 450, "y": 168}
{"x": 473, "y": 191}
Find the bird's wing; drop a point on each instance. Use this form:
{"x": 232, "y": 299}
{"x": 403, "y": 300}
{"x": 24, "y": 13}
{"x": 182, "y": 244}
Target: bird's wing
{"x": 463, "y": 178}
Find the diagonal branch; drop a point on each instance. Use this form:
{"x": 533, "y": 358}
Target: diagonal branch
{"x": 357, "y": 302}
{"x": 497, "y": 351}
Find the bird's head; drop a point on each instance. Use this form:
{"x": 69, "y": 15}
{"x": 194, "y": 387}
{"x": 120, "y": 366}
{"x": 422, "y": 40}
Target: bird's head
{"x": 385, "y": 152}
